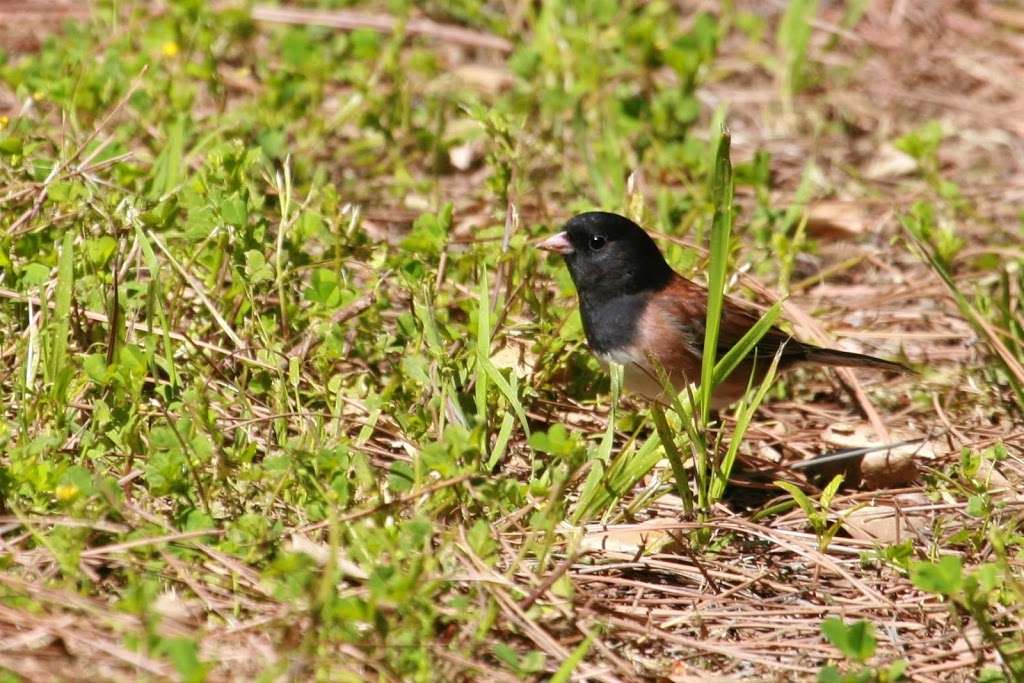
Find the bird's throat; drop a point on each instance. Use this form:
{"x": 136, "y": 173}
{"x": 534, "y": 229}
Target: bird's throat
{"x": 611, "y": 324}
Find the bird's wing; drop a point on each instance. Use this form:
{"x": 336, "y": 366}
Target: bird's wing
{"x": 688, "y": 302}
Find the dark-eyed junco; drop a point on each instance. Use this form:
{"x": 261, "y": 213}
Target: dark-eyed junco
{"x": 636, "y": 308}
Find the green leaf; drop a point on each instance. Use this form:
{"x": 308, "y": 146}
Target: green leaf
{"x": 401, "y": 477}
{"x": 35, "y": 274}
{"x": 508, "y": 421}
{"x": 976, "y": 506}
{"x": 184, "y": 655}
{"x": 506, "y": 654}
{"x": 233, "y": 210}
{"x": 944, "y": 577}
{"x": 429, "y": 233}
{"x": 325, "y": 288}
{"x": 894, "y": 671}
{"x": 923, "y": 142}
{"x": 95, "y": 367}
{"x": 856, "y": 641}
{"x": 991, "y": 674}
{"x": 556, "y": 441}
{"x": 99, "y": 250}
{"x": 481, "y": 539}
{"x": 830, "y": 674}
{"x": 79, "y": 478}
{"x": 987, "y": 578}
{"x": 155, "y": 292}
{"x": 564, "y": 672}
{"x": 532, "y": 662}
{"x": 829, "y": 492}
{"x": 257, "y": 269}
{"x": 11, "y": 145}
{"x": 196, "y": 520}
{"x": 805, "y": 503}
{"x": 604, "y": 451}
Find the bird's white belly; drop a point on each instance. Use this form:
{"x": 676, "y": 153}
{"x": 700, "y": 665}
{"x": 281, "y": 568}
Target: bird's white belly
{"x": 639, "y": 378}
{"x": 636, "y": 377}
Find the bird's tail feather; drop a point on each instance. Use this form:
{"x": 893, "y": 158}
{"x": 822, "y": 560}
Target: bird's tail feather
{"x": 849, "y": 359}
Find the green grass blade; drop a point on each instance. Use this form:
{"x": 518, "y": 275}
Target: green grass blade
{"x": 590, "y": 491}
{"x": 1014, "y": 368}
{"x": 721, "y": 227}
{"x": 508, "y": 391}
{"x": 483, "y": 345}
{"x": 746, "y": 344}
{"x": 718, "y": 119}
{"x": 745, "y": 413}
{"x": 61, "y": 326}
{"x": 801, "y": 498}
{"x": 604, "y": 451}
{"x": 371, "y": 422}
{"x": 501, "y": 441}
{"x": 564, "y": 672}
{"x": 169, "y": 164}
{"x": 423, "y": 311}
{"x": 153, "y": 264}
{"x": 675, "y": 458}
{"x": 794, "y": 37}
{"x": 620, "y": 477}
{"x": 688, "y": 417}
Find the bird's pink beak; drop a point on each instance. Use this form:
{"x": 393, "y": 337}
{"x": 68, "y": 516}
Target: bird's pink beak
{"x": 558, "y": 244}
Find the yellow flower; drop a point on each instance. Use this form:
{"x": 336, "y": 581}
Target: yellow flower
{"x": 66, "y": 492}
{"x": 3, "y": 120}
{"x": 169, "y": 48}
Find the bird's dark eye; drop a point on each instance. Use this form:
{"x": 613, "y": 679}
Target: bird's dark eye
{"x": 597, "y": 242}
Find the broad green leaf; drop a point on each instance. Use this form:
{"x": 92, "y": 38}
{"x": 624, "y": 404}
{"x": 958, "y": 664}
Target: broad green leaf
{"x": 856, "y": 641}
{"x": 944, "y": 577}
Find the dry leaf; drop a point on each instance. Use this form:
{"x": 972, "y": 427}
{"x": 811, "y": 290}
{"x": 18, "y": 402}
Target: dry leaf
{"x": 995, "y": 480}
{"x": 770, "y": 453}
{"x": 884, "y": 523}
{"x": 417, "y": 202}
{"x": 171, "y": 606}
{"x": 492, "y": 79}
{"x": 704, "y": 678}
{"x": 320, "y": 553}
{"x": 887, "y": 468}
{"x": 462, "y": 156}
{"x": 516, "y": 358}
{"x": 837, "y": 219}
{"x": 630, "y": 538}
{"x": 890, "y": 163}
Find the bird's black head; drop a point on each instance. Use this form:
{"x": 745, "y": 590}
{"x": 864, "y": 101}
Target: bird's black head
{"x": 609, "y": 255}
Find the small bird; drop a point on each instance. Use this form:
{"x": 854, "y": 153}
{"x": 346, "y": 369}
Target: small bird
{"x": 635, "y": 308}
